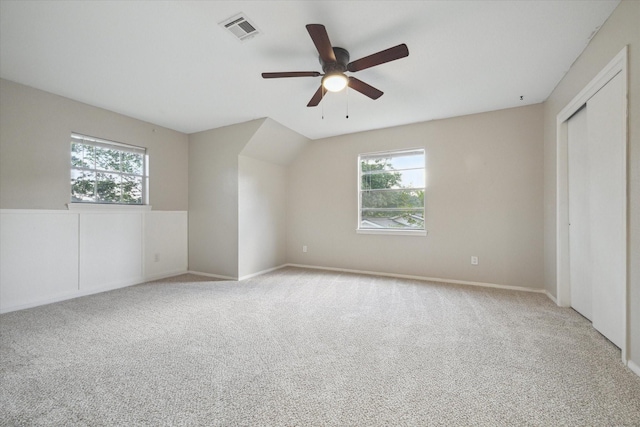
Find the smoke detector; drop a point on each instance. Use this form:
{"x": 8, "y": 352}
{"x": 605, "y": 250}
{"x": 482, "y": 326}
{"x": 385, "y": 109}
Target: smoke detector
{"x": 240, "y": 26}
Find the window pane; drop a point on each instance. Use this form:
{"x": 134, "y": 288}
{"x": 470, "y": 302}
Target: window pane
{"x": 107, "y": 159}
{"x": 115, "y": 171}
{"x": 82, "y": 155}
{"x": 132, "y": 163}
{"x": 82, "y": 186}
{"x": 108, "y": 188}
{"x": 407, "y": 219}
{"x": 392, "y": 190}
{"x": 404, "y": 179}
{"x": 132, "y": 190}
{"x": 392, "y": 199}
{"x": 381, "y": 179}
{"x": 393, "y": 162}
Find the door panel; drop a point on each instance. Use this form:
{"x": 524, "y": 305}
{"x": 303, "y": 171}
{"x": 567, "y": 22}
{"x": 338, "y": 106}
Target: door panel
{"x": 579, "y": 224}
{"x": 607, "y": 202}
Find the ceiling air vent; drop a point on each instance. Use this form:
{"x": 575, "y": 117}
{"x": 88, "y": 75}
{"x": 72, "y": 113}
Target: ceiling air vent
{"x": 240, "y": 26}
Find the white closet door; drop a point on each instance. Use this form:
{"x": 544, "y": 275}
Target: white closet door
{"x": 607, "y": 202}
{"x": 579, "y": 233}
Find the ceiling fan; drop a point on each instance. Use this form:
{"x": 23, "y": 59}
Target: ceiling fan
{"x": 335, "y": 62}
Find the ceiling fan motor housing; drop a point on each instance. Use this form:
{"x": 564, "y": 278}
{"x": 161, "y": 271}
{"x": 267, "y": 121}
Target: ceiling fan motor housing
{"x": 340, "y": 66}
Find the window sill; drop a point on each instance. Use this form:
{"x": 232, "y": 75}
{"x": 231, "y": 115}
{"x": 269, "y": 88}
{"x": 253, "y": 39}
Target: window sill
{"x": 416, "y": 233}
{"x": 98, "y": 207}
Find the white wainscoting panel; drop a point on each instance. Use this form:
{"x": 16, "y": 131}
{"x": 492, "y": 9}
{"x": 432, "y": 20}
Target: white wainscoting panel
{"x": 166, "y": 243}
{"x": 110, "y": 250}
{"x": 48, "y": 256}
{"x": 38, "y": 258}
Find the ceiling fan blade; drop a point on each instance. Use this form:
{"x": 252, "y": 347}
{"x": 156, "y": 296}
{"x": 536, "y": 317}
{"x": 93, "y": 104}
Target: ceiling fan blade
{"x": 381, "y": 57}
{"x": 291, "y": 74}
{"x": 317, "y": 97}
{"x": 364, "y": 88}
{"x": 321, "y": 39}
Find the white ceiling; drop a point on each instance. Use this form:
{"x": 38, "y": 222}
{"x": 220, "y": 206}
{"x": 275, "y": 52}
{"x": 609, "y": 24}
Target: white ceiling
{"x": 171, "y": 64}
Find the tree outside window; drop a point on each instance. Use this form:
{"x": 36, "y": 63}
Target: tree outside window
{"x": 106, "y": 172}
{"x": 391, "y": 190}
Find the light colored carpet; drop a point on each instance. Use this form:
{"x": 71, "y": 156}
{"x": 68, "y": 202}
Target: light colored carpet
{"x": 310, "y": 348}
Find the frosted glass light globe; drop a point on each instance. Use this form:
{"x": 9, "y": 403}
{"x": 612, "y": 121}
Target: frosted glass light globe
{"x": 334, "y": 82}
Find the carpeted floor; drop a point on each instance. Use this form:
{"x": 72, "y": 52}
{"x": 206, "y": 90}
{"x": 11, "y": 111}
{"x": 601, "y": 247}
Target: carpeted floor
{"x": 310, "y": 348}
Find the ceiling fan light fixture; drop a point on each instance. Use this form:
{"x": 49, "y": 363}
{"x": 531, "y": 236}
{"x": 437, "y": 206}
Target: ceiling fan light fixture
{"x": 334, "y": 82}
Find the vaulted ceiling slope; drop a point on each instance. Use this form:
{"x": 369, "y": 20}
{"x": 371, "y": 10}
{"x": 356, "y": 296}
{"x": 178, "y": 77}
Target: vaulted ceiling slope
{"x": 172, "y": 64}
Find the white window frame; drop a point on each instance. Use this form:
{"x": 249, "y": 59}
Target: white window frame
{"x": 391, "y": 231}
{"x": 103, "y": 143}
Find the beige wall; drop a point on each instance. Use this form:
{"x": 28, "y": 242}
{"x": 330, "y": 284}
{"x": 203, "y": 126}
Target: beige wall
{"x": 35, "y": 129}
{"x": 262, "y": 196}
{"x": 620, "y": 29}
{"x": 262, "y": 211}
{"x": 275, "y": 143}
{"x": 484, "y": 198}
{"x": 213, "y": 197}
{"x": 237, "y": 197}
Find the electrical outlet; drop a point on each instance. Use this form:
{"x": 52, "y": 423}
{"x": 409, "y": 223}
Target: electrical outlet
{"x": 304, "y": 248}
{"x": 474, "y": 260}
{"x": 156, "y": 258}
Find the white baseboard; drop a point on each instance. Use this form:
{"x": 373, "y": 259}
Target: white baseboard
{"x": 249, "y": 276}
{"x": 238, "y": 279}
{"x": 85, "y": 292}
{"x": 551, "y": 297}
{"x": 71, "y": 295}
{"x": 36, "y": 303}
{"x": 110, "y": 287}
{"x": 165, "y": 275}
{"x": 634, "y": 368}
{"x": 422, "y": 278}
{"x": 215, "y": 276}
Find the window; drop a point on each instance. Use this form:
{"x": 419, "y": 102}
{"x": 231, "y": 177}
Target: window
{"x": 107, "y": 172}
{"x": 391, "y": 191}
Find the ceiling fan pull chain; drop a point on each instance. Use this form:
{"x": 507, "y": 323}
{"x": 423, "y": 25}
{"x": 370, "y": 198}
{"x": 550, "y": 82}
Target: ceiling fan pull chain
{"x": 322, "y": 106}
{"x": 347, "y": 91}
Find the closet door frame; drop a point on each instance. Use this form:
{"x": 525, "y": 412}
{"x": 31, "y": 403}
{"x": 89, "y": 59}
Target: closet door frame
{"x": 563, "y": 291}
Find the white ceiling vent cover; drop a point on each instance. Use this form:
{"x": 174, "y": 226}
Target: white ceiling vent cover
{"x": 240, "y": 26}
